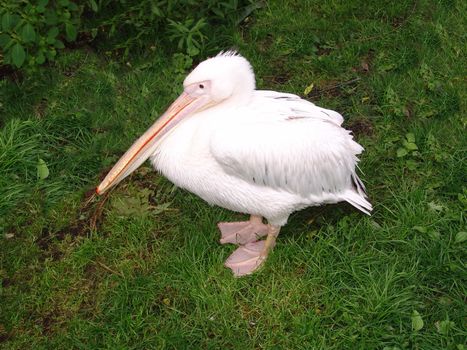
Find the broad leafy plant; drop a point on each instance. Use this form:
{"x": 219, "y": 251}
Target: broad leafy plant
{"x": 180, "y": 25}
{"x": 31, "y": 32}
{"x": 189, "y": 35}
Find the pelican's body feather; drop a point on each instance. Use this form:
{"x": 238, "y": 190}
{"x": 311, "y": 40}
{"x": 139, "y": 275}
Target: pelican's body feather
{"x": 269, "y": 157}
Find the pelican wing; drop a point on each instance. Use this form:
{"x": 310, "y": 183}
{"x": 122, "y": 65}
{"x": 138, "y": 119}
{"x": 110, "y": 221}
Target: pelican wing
{"x": 286, "y": 103}
{"x": 288, "y": 144}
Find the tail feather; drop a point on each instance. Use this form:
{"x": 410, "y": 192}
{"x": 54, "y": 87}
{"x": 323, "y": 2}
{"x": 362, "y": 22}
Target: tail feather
{"x": 358, "y": 201}
{"x": 360, "y": 187}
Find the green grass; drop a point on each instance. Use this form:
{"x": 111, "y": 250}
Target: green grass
{"x": 81, "y": 272}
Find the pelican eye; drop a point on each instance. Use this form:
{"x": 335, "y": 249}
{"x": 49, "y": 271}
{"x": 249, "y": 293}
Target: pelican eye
{"x": 201, "y": 86}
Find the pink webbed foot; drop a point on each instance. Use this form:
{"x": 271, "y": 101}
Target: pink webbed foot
{"x": 246, "y": 259}
{"x": 242, "y": 232}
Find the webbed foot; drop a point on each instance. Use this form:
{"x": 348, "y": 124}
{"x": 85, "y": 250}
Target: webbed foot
{"x": 243, "y": 232}
{"x": 248, "y": 258}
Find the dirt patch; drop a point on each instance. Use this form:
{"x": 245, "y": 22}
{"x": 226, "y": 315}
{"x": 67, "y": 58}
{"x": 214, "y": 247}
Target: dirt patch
{"x": 164, "y": 300}
{"x": 397, "y": 22}
{"x": 265, "y": 44}
{"x": 40, "y": 108}
{"x": 6, "y": 282}
{"x": 8, "y": 72}
{"x": 361, "y": 127}
{"x": 82, "y": 41}
{"x": 366, "y": 63}
{"x": 47, "y": 244}
{"x": 314, "y": 217}
{"x": 328, "y": 89}
{"x": 280, "y": 73}
{"x": 88, "y": 218}
{"x": 323, "y": 51}
{"x": 278, "y": 79}
{"x": 331, "y": 88}
{"x": 4, "y": 335}
{"x": 280, "y": 76}
{"x": 44, "y": 239}
{"x": 46, "y": 323}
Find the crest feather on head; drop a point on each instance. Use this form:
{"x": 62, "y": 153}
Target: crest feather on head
{"x": 229, "y": 53}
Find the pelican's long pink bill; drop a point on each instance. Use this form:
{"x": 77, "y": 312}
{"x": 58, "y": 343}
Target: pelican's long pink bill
{"x": 147, "y": 143}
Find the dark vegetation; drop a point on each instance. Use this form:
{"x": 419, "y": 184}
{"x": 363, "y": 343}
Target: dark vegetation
{"x": 34, "y": 32}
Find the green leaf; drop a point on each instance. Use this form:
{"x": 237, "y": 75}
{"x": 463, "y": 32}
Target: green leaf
{"x": 53, "y": 52}
{"x": 192, "y": 51}
{"x": 417, "y": 321}
{"x": 7, "y": 21}
{"x": 4, "y": 40}
{"x": 72, "y": 6}
{"x": 443, "y": 327}
{"x": 52, "y": 32}
{"x": 137, "y": 204}
{"x": 308, "y": 89}
{"x": 420, "y": 229}
{"x": 18, "y": 55}
{"x": 28, "y": 34}
{"x": 410, "y": 137}
{"x": 254, "y": 5}
{"x": 94, "y": 6}
{"x": 7, "y": 57}
{"x": 386, "y": 67}
{"x": 59, "y": 44}
{"x": 401, "y": 152}
{"x": 411, "y": 164}
{"x": 14, "y": 20}
{"x": 435, "y": 206}
{"x": 155, "y": 10}
{"x": 461, "y": 237}
{"x": 42, "y": 3}
{"x": 218, "y": 12}
{"x": 40, "y": 9}
{"x": 71, "y": 32}
{"x": 375, "y": 225}
{"x": 410, "y": 146}
{"x": 50, "y": 54}
{"x": 427, "y": 113}
{"x": 50, "y": 18}
{"x": 42, "y": 170}
{"x": 40, "y": 58}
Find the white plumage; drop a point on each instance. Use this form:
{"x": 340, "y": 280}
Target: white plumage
{"x": 272, "y": 156}
{"x": 264, "y": 153}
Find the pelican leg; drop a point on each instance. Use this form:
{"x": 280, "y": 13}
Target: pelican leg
{"x": 243, "y": 232}
{"x": 248, "y": 258}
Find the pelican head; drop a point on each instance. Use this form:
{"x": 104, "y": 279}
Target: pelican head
{"x": 227, "y": 78}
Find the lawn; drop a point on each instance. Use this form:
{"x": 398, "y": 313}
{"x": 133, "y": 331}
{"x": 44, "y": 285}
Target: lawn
{"x": 142, "y": 267}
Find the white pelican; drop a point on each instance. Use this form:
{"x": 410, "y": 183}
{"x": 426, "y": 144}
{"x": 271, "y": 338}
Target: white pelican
{"x": 262, "y": 153}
